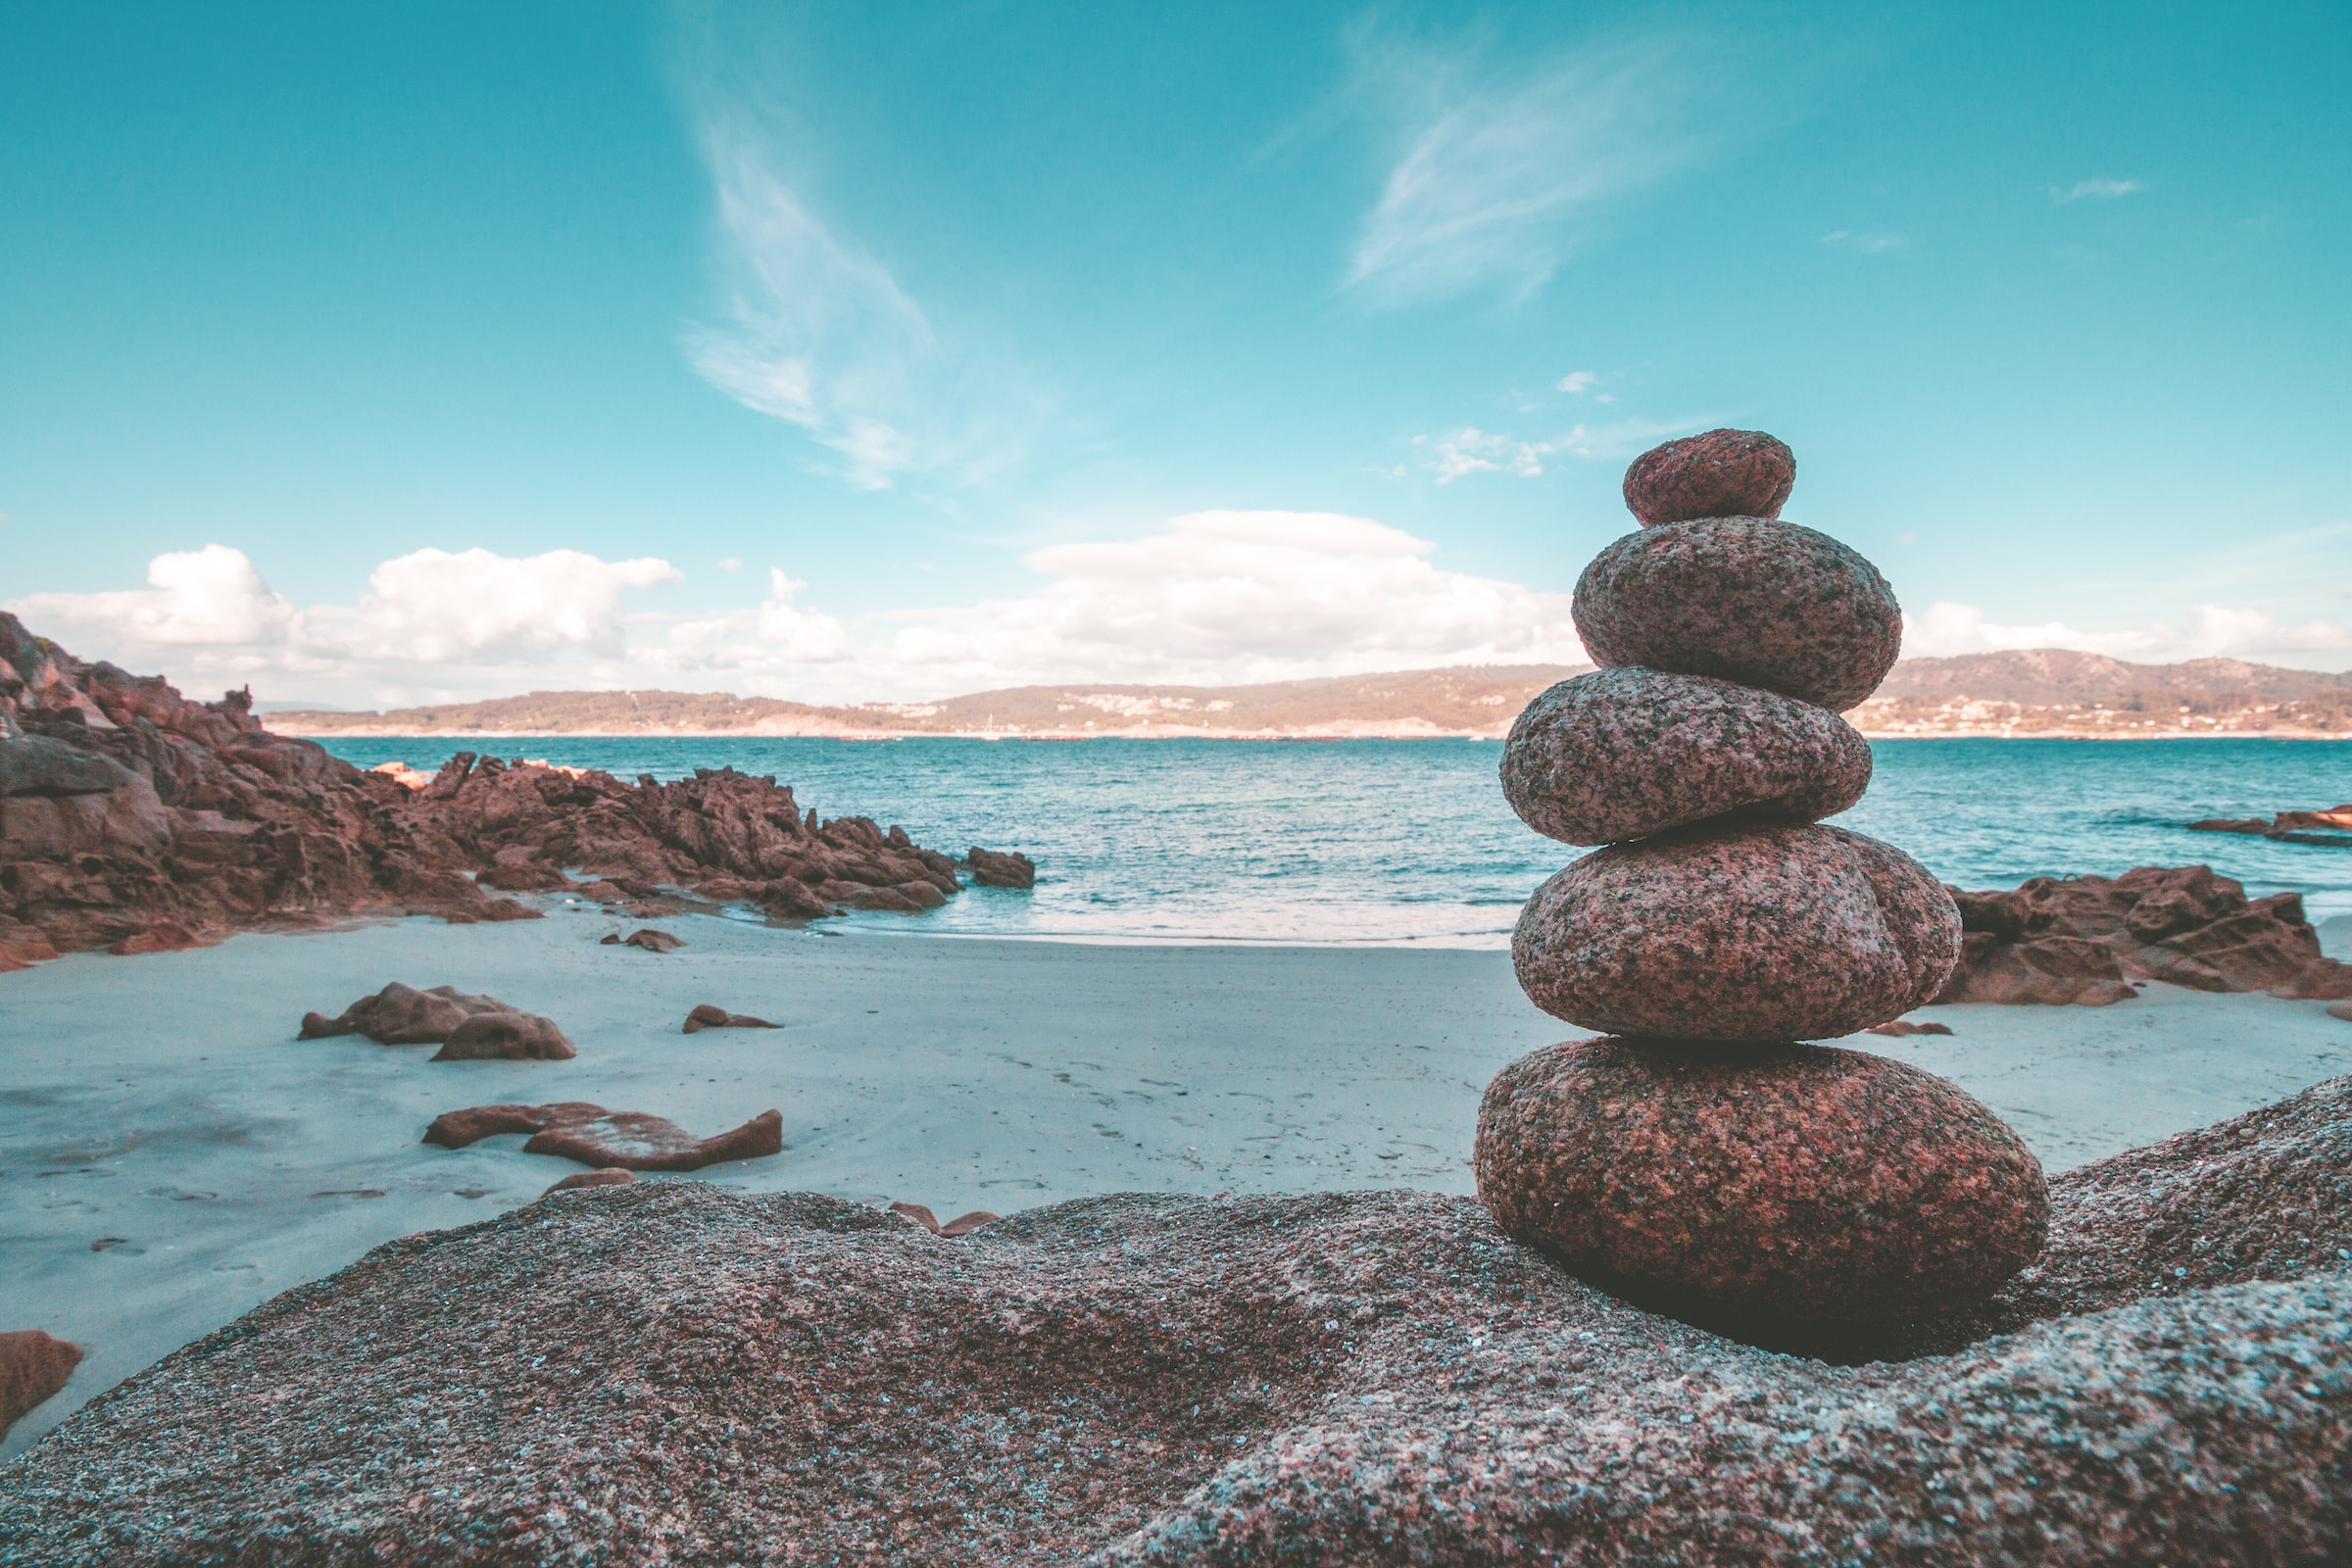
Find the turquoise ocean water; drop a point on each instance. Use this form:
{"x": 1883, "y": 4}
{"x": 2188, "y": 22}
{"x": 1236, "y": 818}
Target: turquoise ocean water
{"x": 1411, "y": 841}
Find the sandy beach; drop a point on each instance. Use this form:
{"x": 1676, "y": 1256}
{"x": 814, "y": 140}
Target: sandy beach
{"x": 171, "y": 1155}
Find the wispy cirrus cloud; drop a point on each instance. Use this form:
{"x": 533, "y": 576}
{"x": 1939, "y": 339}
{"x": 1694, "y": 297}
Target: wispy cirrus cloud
{"x": 1868, "y": 244}
{"x": 1500, "y": 163}
{"x": 1470, "y": 450}
{"x": 818, "y": 333}
{"x": 2096, "y": 190}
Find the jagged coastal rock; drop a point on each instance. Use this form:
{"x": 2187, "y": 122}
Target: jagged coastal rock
{"x": 1621, "y": 754}
{"x": 1723, "y": 473}
{"x": 508, "y": 1036}
{"x": 1701, "y": 1156}
{"x": 135, "y": 820}
{"x": 1755, "y": 1183}
{"x": 33, "y": 1368}
{"x": 1763, "y": 932}
{"x": 1744, "y": 599}
{"x": 694, "y": 1374}
{"x": 2084, "y": 939}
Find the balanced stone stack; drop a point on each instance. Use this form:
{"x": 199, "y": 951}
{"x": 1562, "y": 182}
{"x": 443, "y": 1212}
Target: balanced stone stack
{"x": 1697, "y": 1156}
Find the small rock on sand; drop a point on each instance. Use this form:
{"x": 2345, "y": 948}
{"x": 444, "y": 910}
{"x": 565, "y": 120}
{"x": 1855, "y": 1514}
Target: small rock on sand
{"x": 33, "y": 1368}
{"x": 2341, "y": 1010}
{"x": 594, "y": 1136}
{"x": 707, "y": 1016}
{"x": 507, "y": 1037}
{"x": 403, "y": 1016}
{"x": 612, "y": 1177}
{"x": 651, "y": 940}
{"x": 960, "y": 1225}
{"x": 1902, "y": 1027}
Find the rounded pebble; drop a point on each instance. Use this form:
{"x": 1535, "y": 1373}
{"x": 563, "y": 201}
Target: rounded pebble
{"x": 1749, "y": 933}
{"x": 1723, "y": 473}
{"x": 1804, "y": 1183}
{"x": 1621, "y": 754}
{"x": 1745, "y": 598}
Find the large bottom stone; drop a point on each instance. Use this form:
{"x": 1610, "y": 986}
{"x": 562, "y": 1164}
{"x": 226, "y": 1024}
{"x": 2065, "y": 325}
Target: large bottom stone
{"x": 1789, "y": 1187}
{"x": 1728, "y": 933}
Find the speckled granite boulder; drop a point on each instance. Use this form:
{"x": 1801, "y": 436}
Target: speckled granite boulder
{"x": 1738, "y": 933}
{"x": 1621, "y": 754}
{"x": 1761, "y": 602}
{"x": 1723, "y": 473}
{"x": 679, "y": 1373}
{"x": 1759, "y": 1190}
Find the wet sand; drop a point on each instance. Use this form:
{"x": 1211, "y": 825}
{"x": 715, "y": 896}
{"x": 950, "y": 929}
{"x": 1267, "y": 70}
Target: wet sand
{"x": 171, "y": 1155}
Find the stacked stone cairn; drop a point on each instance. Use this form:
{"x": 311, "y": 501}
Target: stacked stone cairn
{"x": 1699, "y": 1156}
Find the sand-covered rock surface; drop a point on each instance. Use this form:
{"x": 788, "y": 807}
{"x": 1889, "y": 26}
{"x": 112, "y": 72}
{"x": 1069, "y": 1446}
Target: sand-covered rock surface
{"x": 680, "y": 1373}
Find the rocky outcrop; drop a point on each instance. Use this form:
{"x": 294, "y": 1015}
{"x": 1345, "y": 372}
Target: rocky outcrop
{"x": 1723, "y": 473}
{"x": 706, "y": 1015}
{"x": 33, "y": 1368}
{"x": 992, "y": 869}
{"x": 2330, "y": 827}
{"x": 680, "y": 1373}
{"x": 616, "y": 1176}
{"x": 629, "y": 1140}
{"x": 2084, "y": 940}
{"x": 1623, "y": 754}
{"x": 135, "y": 820}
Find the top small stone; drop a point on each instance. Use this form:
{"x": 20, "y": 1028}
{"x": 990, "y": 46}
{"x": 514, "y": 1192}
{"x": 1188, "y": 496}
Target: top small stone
{"x": 1723, "y": 473}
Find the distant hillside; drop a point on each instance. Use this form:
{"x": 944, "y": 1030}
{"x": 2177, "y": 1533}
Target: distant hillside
{"x": 2034, "y": 692}
{"x": 1471, "y": 701}
{"x": 2053, "y": 691}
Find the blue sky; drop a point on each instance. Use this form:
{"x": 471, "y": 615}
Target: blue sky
{"x": 380, "y": 353}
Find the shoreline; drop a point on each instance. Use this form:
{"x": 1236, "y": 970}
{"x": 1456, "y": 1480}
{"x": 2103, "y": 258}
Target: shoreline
{"x": 1176, "y": 733}
{"x": 162, "y": 1106}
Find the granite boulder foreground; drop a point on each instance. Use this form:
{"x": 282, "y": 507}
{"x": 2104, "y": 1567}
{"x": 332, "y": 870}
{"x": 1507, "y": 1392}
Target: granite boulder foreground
{"x": 676, "y": 1373}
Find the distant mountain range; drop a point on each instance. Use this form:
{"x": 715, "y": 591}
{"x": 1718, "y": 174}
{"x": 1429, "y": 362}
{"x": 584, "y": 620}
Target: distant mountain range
{"x": 2033, "y": 692}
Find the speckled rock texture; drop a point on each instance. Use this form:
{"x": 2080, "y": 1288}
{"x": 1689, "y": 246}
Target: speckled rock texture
{"x": 1761, "y": 602}
{"x": 1622, "y": 754}
{"x": 1762, "y": 1192}
{"x": 1765, "y": 933}
{"x": 677, "y": 1373}
{"x": 1723, "y": 473}
{"x": 33, "y": 1368}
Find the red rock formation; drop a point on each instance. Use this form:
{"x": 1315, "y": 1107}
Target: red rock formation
{"x": 507, "y": 1037}
{"x": 2083, "y": 939}
{"x": 2330, "y": 827}
{"x": 1903, "y": 1028}
{"x": 647, "y": 939}
{"x": 595, "y": 1136}
{"x": 33, "y": 1368}
{"x": 675, "y": 1372}
{"x": 994, "y": 870}
{"x": 403, "y": 1016}
{"x": 134, "y": 820}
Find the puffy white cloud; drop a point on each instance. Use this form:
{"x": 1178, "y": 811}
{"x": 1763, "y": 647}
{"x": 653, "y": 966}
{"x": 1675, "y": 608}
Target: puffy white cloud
{"x": 1236, "y": 596}
{"x": 193, "y": 597}
{"x": 1578, "y": 382}
{"x": 437, "y": 608}
{"x": 2210, "y": 631}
